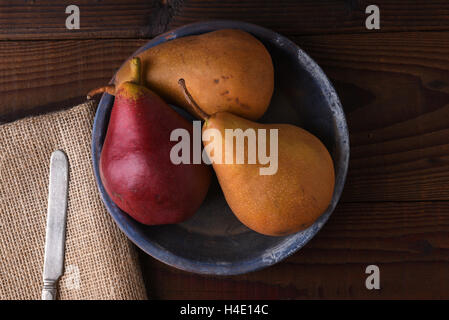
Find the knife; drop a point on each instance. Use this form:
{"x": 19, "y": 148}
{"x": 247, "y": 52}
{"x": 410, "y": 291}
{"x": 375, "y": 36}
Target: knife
{"x": 56, "y": 223}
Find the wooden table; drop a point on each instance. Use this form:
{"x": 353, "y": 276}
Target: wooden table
{"x": 394, "y": 87}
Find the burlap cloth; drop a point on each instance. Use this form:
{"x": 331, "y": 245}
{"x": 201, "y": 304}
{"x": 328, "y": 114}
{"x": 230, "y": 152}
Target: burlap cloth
{"x": 100, "y": 263}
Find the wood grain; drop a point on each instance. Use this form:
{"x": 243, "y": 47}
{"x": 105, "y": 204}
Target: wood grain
{"x": 292, "y": 17}
{"x": 38, "y": 76}
{"x": 407, "y": 241}
{"x": 98, "y": 19}
{"x": 27, "y": 20}
{"x": 395, "y": 91}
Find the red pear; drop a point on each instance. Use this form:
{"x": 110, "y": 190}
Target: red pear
{"x": 135, "y": 165}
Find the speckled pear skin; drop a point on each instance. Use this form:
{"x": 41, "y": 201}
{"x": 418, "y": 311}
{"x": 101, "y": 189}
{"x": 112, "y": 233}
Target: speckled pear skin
{"x": 225, "y": 70}
{"x": 291, "y": 199}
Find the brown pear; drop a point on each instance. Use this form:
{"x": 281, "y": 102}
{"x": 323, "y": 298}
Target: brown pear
{"x": 284, "y": 202}
{"x": 226, "y": 70}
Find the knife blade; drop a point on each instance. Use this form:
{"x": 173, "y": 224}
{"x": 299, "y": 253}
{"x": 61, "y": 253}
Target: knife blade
{"x": 56, "y": 224}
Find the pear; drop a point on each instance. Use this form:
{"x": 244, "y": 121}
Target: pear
{"x": 135, "y": 165}
{"x": 226, "y": 70}
{"x": 284, "y": 202}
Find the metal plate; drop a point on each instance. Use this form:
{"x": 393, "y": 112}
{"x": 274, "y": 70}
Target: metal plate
{"x": 214, "y": 241}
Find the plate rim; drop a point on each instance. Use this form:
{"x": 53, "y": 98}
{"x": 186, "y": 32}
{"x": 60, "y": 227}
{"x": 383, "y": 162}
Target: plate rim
{"x": 293, "y": 242}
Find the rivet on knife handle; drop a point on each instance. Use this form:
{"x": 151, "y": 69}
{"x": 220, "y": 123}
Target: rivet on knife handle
{"x": 56, "y": 223}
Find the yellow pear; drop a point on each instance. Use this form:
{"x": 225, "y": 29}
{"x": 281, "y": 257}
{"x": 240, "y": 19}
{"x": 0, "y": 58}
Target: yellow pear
{"x": 226, "y": 70}
{"x": 283, "y": 201}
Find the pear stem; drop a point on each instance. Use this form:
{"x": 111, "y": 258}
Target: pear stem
{"x": 108, "y": 89}
{"x": 135, "y": 77}
{"x": 192, "y": 101}
{"x": 136, "y": 70}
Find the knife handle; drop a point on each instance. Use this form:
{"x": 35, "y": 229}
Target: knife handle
{"x": 49, "y": 290}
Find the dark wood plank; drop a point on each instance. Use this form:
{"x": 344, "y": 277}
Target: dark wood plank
{"x": 408, "y": 241}
{"x": 147, "y": 18}
{"x": 293, "y": 17}
{"x": 98, "y": 19}
{"x": 395, "y": 91}
{"x": 37, "y": 76}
